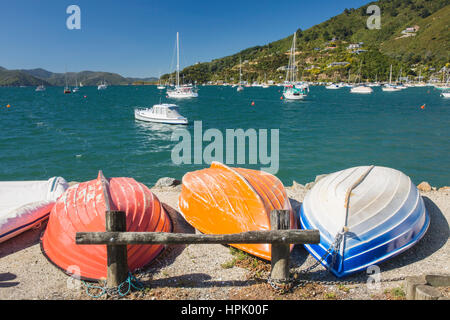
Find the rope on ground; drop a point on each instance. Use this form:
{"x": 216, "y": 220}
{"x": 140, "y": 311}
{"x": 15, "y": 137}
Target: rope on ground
{"x": 130, "y": 283}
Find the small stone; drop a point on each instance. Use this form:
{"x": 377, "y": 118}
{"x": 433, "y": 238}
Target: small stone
{"x": 424, "y": 186}
{"x": 167, "y": 182}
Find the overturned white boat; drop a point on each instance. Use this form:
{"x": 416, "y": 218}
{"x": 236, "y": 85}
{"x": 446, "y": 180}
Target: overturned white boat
{"x": 365, "y": 215}
{"x": 161, "y": 113}
{"x": 24, "y": 204}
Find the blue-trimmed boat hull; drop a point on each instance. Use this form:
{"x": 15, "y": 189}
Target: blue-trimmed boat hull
{"x": 375, "y": 245}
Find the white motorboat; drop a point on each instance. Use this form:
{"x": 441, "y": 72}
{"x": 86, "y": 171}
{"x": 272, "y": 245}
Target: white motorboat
{"x": 40, "y": 88}
{"x": 292, "y": 90}
{"x": 161, "y": 113}
{"x": 185, "y": 91}
{"x": 333, "y": 86}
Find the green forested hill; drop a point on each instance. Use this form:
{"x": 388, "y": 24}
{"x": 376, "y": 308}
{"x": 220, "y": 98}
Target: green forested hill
{"x": 327, "y": 42}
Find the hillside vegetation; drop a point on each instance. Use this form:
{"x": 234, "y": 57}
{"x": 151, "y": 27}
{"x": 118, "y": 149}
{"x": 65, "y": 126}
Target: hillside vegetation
{"x": 426, "y": 51}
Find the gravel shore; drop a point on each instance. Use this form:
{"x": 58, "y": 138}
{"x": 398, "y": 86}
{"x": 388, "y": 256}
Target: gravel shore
{"x": 199, "y": 272}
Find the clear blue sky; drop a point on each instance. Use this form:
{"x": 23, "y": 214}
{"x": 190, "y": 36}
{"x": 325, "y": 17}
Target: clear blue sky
{"x": 137, "y": 37}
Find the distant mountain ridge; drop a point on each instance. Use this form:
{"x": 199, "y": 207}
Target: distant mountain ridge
{"x": 38, "y": 76}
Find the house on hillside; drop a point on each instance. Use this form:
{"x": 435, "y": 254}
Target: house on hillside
{"x": 354, "y": 46}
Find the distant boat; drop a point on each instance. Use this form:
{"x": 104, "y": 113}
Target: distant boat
{"x": 76, "y": 88}
{"x": 446, "y": 93}
{"x": 390, "y": 87}
{"x": 66, "y": 87}
{"x": 334, "y": 86}
{"x": 292, "y": 90}
{"x": 265, "y": 85}
{"x": 366, "y": 215}
{"x": 361, "y": 88}
{"x": 102, "y": 85}
{"x": 160, "y": 85}
{"x": 40, "y": 88}
{"x": 161, "y": 113}
{"x": 185, "y": 91}
{"x": 240, "y": 88}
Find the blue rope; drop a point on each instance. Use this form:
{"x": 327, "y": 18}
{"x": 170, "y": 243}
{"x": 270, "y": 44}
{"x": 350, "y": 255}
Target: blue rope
{"x": 131, "y": 281}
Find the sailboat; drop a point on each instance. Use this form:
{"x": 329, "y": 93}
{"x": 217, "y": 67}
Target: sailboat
{"x": 293, "y": 91}
{"x": 102, "y": 85}
{"x": 185, "y": 91}
{"x": 390, "y": 87}
{"x": 76, "y": 89}
{"x": 240, "y": 88}
{"x": 40, "y": 88}
{"x": 66, "y": 88}
{"x": 265, "y": 85}
{"x": 361, "y": 88}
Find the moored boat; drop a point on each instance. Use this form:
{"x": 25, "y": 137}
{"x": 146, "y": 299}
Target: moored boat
{"x": 82, "y": 209}
{"x": 24, "y": 204}
{"x": 161, "y": 113}
{"x": 369, "y": 214}
{"x": 224, "y": 200}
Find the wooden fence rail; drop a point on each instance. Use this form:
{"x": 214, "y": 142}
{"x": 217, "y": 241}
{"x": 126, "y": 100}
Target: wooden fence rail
{"x": 116, "y": 239}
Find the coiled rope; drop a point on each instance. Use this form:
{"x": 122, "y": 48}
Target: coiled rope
{"x": 130, "y": 283}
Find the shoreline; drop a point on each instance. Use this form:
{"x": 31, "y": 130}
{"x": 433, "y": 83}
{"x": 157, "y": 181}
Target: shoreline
{"x": 205, "y": 272}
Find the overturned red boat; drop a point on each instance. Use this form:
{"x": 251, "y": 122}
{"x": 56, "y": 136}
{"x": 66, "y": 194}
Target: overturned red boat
{"x": 82, "y": 209}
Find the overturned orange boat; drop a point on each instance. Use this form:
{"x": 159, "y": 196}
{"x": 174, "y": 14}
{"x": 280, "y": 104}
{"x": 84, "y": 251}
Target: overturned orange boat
{"x": 82, "y": 209}
{"x": 224, "y": 200}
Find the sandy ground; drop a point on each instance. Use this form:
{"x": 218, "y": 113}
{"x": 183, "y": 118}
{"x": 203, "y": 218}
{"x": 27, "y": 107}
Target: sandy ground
{"x": 199, "y": 272}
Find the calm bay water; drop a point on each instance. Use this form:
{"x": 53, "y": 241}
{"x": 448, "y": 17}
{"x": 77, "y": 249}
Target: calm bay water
{"x": 48, "y": 133}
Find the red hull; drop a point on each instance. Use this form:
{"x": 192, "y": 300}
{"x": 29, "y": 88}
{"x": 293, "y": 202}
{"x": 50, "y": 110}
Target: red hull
{"x": 82, "y": 209}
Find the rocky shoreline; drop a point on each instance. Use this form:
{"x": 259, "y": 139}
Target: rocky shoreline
{"x": 203, "y": 272}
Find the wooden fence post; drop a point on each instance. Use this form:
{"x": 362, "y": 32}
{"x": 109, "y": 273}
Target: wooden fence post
{"x": 116, "y": 254}
{"x": 280, "y": 220}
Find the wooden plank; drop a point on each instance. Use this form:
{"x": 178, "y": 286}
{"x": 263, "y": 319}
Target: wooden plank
{"x": 121, "y": 238}
{"x": 116, "y": 254}
{"x": 280, "y": 220}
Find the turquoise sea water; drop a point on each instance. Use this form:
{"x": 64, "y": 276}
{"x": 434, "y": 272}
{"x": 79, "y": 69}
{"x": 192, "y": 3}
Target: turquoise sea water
{"x": 48, "y": 133}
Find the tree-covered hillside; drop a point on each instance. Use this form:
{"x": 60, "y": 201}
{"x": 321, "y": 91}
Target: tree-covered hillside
{"x": 423, "y": 51}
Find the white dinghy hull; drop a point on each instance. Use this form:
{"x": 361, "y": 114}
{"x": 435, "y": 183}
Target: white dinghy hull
{"x": 24, "y": 204}
{"x": 378, "y": 212}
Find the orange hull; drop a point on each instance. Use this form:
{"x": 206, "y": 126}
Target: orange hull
{"x": 82, "y": 209}
{"x": 223, "y": 200}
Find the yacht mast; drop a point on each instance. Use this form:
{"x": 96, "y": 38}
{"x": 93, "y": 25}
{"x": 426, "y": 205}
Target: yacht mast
{"x": 178, "y": 61}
